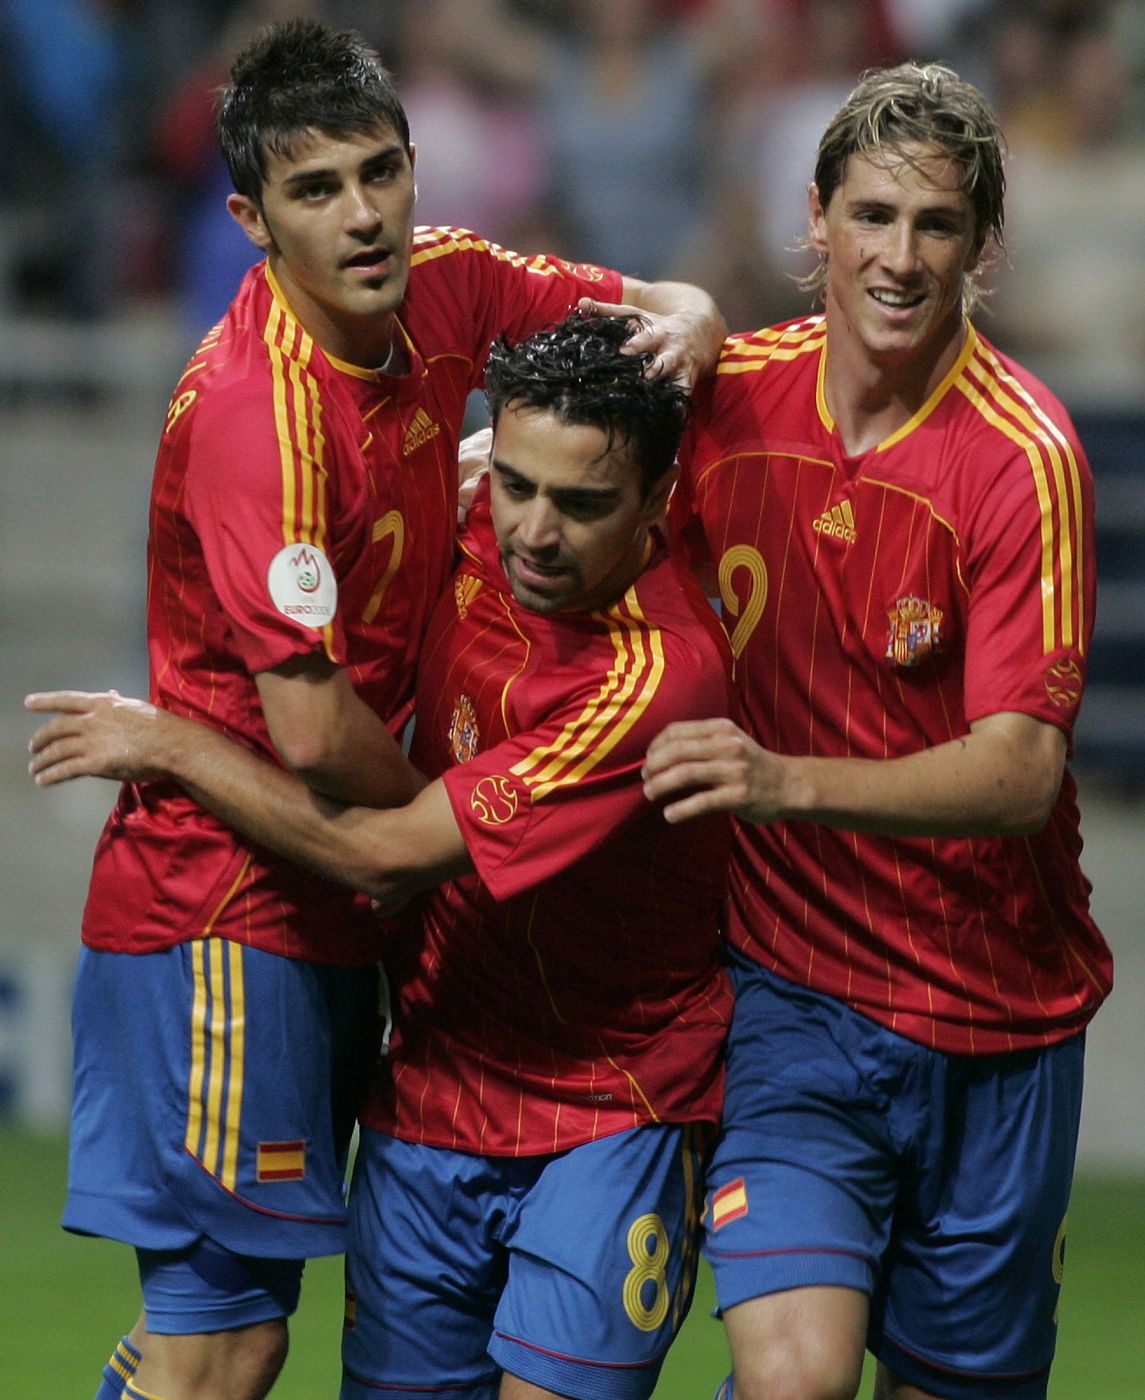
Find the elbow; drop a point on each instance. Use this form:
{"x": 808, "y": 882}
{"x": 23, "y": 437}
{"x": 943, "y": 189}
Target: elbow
{"x": 1033, "y": 817}
{"x": 1030, "y": 809}
{"x": 389, "y": 890}
{"x": 309, "y": 759}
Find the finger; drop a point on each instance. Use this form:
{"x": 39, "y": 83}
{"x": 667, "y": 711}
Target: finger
{"x": 690, "y": 774}
{"x": 69, "y": 701}
{"x": 689, "y": 740}
{"x": 62, "y": 772}
{"x": 589, "y": 306}
{"x": 51, "y": 732}
{"x": 697, "y": 804}
{"x": 56, "y": 763}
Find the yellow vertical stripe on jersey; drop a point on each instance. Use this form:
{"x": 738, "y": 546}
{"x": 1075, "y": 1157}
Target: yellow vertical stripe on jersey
{"x": 1050, "y": 465}
{"x": 218, "y": 1047}
{"x": 237, "y": 1061}
{"x": 274, "y": 323}
{"x": 198, "y": 1049}
{"x": 1067, "y": 481}
{"x": 298, "y": 423}
{"x": 216, "y": 1050}
{"x": 623, "y": 696}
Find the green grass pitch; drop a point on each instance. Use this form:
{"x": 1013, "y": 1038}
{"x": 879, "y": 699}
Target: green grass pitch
{"x": 64, "y": 1302}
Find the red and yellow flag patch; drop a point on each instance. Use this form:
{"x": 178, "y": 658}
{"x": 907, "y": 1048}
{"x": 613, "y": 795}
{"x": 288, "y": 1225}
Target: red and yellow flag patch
{"x": 729, "y": 1203}
{"x": 281, "y": 1161}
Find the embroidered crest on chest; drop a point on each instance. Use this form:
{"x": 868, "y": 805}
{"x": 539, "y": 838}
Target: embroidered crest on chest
{"x": 915, "y": 631}
{"x": 464, "y": 736}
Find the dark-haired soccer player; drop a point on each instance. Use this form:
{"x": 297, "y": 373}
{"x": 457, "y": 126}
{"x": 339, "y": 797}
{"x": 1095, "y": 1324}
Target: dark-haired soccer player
{"x": 901, "y": 522}
{"x": 302, "y": 527}
{"x": 526, "y": 1192}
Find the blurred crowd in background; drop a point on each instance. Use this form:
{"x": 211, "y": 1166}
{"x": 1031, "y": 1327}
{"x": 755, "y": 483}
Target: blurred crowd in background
{"x": 664, "y": 137}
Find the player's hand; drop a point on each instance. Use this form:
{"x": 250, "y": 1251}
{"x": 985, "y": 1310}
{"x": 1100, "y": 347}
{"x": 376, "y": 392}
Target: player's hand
{"x": 683, "y": 345}
{"x": 104, "y": 735}
{"x": 700, "y": 766}
{"x": 473, "y": 453}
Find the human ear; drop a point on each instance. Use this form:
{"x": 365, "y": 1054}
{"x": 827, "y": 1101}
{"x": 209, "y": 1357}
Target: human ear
{"x": 249, "y": 217}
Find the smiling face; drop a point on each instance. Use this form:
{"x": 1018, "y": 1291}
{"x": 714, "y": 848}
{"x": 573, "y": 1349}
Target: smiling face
{"x": 899, "y": 236}
{"x": 571, "y": 518}
{"x": 336, "y": 221}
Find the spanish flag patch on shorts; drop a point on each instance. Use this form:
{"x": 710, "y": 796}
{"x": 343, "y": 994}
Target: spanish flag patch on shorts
{"x": 282, "y": 1161}
{"x": 729, "y": 1203}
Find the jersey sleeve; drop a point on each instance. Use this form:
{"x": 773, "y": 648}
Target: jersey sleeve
{"x": 510, "y": 294}
{"x": 256, "y": 493}
{"x": 1031, "y": 584}
{"x": 542, "y": 799}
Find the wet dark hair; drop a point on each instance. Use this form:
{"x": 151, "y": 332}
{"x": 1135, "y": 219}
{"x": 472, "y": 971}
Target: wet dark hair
{"x": 917, "y": 104}
{"x": 577, "y": 369}
{"x": 298, "y": 77}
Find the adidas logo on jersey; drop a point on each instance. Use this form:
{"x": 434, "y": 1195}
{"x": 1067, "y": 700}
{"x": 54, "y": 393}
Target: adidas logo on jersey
{"x": 419, "y": 432}
{"x": 838, "y": 523}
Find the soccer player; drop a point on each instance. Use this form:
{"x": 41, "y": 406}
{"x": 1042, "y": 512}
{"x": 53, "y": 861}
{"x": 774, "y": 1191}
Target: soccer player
{"x": 900, "y": 523}
{"x": 526, "y": 1193}
{"x": 302, "y": 525}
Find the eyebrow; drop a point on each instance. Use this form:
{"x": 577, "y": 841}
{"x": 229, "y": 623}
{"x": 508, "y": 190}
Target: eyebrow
{"x": 559, "y": 493}
{"x": 328, "y": 172}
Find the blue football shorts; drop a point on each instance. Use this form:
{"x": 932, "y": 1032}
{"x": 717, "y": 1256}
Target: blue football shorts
{"x": 573, "y": 1271}
{"x": 215, "y": 1089}
{"x": 936, "y": 1184}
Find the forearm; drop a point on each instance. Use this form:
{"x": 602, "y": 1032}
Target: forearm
{"x": 387, "y": 854}
{"x": 278, "y": 811}
{"x": 955, "y": 789}
{"x": 329, "y": 737}
{"x": 1000, "y": 779}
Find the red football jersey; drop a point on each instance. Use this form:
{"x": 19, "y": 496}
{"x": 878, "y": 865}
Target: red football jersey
{"x": 572, "y": 987}
{"x": 301, "y": 503}
{"x": 878, "y": 605}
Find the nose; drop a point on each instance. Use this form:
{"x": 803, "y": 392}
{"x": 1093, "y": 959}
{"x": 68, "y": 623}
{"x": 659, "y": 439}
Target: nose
{"x": 361, "y": 215}
{"x": 538, "y": 527}
{"x": 900, "y": 253}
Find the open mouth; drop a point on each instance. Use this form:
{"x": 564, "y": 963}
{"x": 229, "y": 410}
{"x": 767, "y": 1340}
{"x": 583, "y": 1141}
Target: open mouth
{"x": 895, "y": 300}
{"x": 369, "y": 260}
{"x": 538, "y": 574}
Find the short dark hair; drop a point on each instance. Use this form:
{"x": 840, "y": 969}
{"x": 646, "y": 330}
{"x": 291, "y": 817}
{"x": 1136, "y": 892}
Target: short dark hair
{"x": 577, "y": 369}
{"x": 924, "y": 104}
{"x": 297, "y": 77}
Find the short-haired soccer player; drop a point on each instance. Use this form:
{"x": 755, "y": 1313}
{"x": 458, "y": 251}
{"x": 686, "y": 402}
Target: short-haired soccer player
{"x": 302, "y": 526}
{"x": 525, "y": 1203}
{"x": 900, "y": 520}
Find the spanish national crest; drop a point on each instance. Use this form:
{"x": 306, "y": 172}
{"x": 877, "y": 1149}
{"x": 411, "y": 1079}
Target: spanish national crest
{"x": 465, "y": 589}
{"x": 1063, "y": 683}
{"x": 915, "y": 631}
{"x": 464, "y": 737}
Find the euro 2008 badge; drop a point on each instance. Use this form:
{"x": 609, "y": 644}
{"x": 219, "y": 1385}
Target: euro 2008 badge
{"x": 302, "y": 585}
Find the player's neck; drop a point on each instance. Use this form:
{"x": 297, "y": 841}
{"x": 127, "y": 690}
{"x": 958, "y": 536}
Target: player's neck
{"x": 871, "y": 395}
